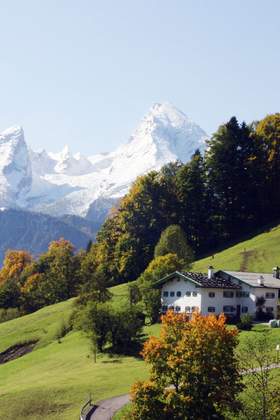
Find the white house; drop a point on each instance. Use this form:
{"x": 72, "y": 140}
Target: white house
{"x": 233, "y": 293}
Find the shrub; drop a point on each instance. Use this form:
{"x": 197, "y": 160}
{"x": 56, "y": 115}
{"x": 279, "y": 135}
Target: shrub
{"x": 245, "y": 323}
{"x": 8, "y": 314}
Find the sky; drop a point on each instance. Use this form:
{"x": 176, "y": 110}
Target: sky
{"x": 84, "y": 73}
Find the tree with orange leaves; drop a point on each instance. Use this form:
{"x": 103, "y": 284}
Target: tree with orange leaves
{"x": 14, "y": 263}
{"x": 194, "y": 371}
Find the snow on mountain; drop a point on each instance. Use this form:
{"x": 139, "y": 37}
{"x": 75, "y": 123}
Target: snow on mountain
{"x": 164, "y": 135}
{"x": 64, "y": 183}
{"x": 15, "y": 167}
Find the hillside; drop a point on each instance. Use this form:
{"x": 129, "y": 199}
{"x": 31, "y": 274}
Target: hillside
{"x": 56, "y": 379}
{"x": 260, "y": 253}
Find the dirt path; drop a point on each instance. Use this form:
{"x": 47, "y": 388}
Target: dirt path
{"x": 107, "y": 408}
{"x": 246, "y": 255}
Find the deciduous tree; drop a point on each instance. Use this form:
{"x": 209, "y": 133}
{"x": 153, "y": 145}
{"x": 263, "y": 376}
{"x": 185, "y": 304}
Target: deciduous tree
{"x": 192, "y": 364}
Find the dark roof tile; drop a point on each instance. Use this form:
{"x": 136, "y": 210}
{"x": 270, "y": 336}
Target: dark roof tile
{"x": 214, "y": 282}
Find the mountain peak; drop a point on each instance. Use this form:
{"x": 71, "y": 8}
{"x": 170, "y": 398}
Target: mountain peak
{"x": 63, "y": 182}
{"x": 12, "y": 132}
{"x": 15, "y": 167}
{"x": 166, "y": 110}
{"x": 65, "y": 151}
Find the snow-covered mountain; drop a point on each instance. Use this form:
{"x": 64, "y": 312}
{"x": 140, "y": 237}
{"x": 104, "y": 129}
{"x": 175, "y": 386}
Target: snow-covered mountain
{"x": 15, "y": 167}
{"x": 64, "y": 183}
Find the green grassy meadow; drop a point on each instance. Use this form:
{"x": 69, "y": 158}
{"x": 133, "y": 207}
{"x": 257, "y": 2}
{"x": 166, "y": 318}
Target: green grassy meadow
{"x": 55, "y": 380}
{"x": 259, "y": 253}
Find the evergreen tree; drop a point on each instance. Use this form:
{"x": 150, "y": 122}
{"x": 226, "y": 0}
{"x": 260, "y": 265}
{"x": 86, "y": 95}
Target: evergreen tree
{"x": 228, "y": 160}
{"x": 194, "y": 209}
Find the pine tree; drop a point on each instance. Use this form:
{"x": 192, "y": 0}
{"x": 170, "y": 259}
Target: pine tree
{"x": 193, "y": 209}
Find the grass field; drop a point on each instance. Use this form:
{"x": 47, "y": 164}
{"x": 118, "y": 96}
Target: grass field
{"x": 260, "y": 253}
{"x": 56, "y": 379}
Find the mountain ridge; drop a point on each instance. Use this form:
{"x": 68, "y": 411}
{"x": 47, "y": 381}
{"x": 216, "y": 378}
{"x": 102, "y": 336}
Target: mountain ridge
{"x": 66, "y": 183}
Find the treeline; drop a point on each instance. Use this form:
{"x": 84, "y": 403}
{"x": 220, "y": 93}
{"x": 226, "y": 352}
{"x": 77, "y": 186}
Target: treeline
{"x": 215, "y": 199}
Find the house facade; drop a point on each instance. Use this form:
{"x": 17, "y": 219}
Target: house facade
{"x": 230, "y": 292}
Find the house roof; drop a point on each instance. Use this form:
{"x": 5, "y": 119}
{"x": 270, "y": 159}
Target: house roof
{"x": 252, "y": 279}
{"x": 201, "y": 280}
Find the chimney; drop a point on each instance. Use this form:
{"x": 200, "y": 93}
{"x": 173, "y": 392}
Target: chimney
{"x": 261, "y": 280}
{"x": 210, "y": 272}
{"x": 276, "y": 272}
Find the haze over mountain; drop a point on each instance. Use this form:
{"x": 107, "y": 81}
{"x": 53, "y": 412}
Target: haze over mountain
{"x": 33, "y": 232}
{"x": 66, "y": 183}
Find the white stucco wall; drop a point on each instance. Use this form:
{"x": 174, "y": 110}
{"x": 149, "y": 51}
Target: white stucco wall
{"x": 183, "y": 286}
{"x": 202, "y": 301}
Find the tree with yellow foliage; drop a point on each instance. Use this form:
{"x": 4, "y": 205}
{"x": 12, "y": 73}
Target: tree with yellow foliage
{"x": 14, "y": 263}
{"x": 194, "y": 371}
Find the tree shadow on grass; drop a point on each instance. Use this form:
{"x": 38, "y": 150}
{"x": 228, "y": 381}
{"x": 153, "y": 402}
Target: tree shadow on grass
{"x": 132, "y": 349}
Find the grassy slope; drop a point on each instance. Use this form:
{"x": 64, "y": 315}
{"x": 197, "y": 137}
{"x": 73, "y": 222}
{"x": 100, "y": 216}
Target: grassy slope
{"x": 55, "y": 379}
{"x": 260, "y": 253}
{"x": 41, "y": 325}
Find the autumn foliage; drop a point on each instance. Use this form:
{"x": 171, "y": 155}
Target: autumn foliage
{"x": 194, "y": 372}
{"x": 13, "y": 265}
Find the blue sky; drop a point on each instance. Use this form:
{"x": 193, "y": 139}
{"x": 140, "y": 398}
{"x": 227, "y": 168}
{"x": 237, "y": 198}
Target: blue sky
{"x": 84, "y": 72}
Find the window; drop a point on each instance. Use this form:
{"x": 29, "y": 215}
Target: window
{"x": 269, "y": 309}
{"x": 242, "y": 293}
{"x": 187, "y": 309}
{"x": 270, "y": 295}
{"x": 163, "y": 308}
{"x": 165, "y": 294}
{"x": 194, "y": 294}
{"x": 211, "y": 295}
{"x": 188, "y": 293}
{"x": 228, "y": 309}
{"x": 178, "y": 309}
{"x": 211, "y": 309}
{"x": 179, "y": 294}
{"x": 244, "y": 309}
{"x": 228, "y": 294}
{"x": 172, "y": 294}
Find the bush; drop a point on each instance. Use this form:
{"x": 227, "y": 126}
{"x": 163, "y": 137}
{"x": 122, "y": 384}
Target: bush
{"x": 8, "y": 314}
{"x": 245, "y": 323}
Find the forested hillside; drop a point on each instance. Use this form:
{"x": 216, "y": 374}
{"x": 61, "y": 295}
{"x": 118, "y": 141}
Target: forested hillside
{"x": 216, "y": 199}
{"x": 210, "y": 203}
